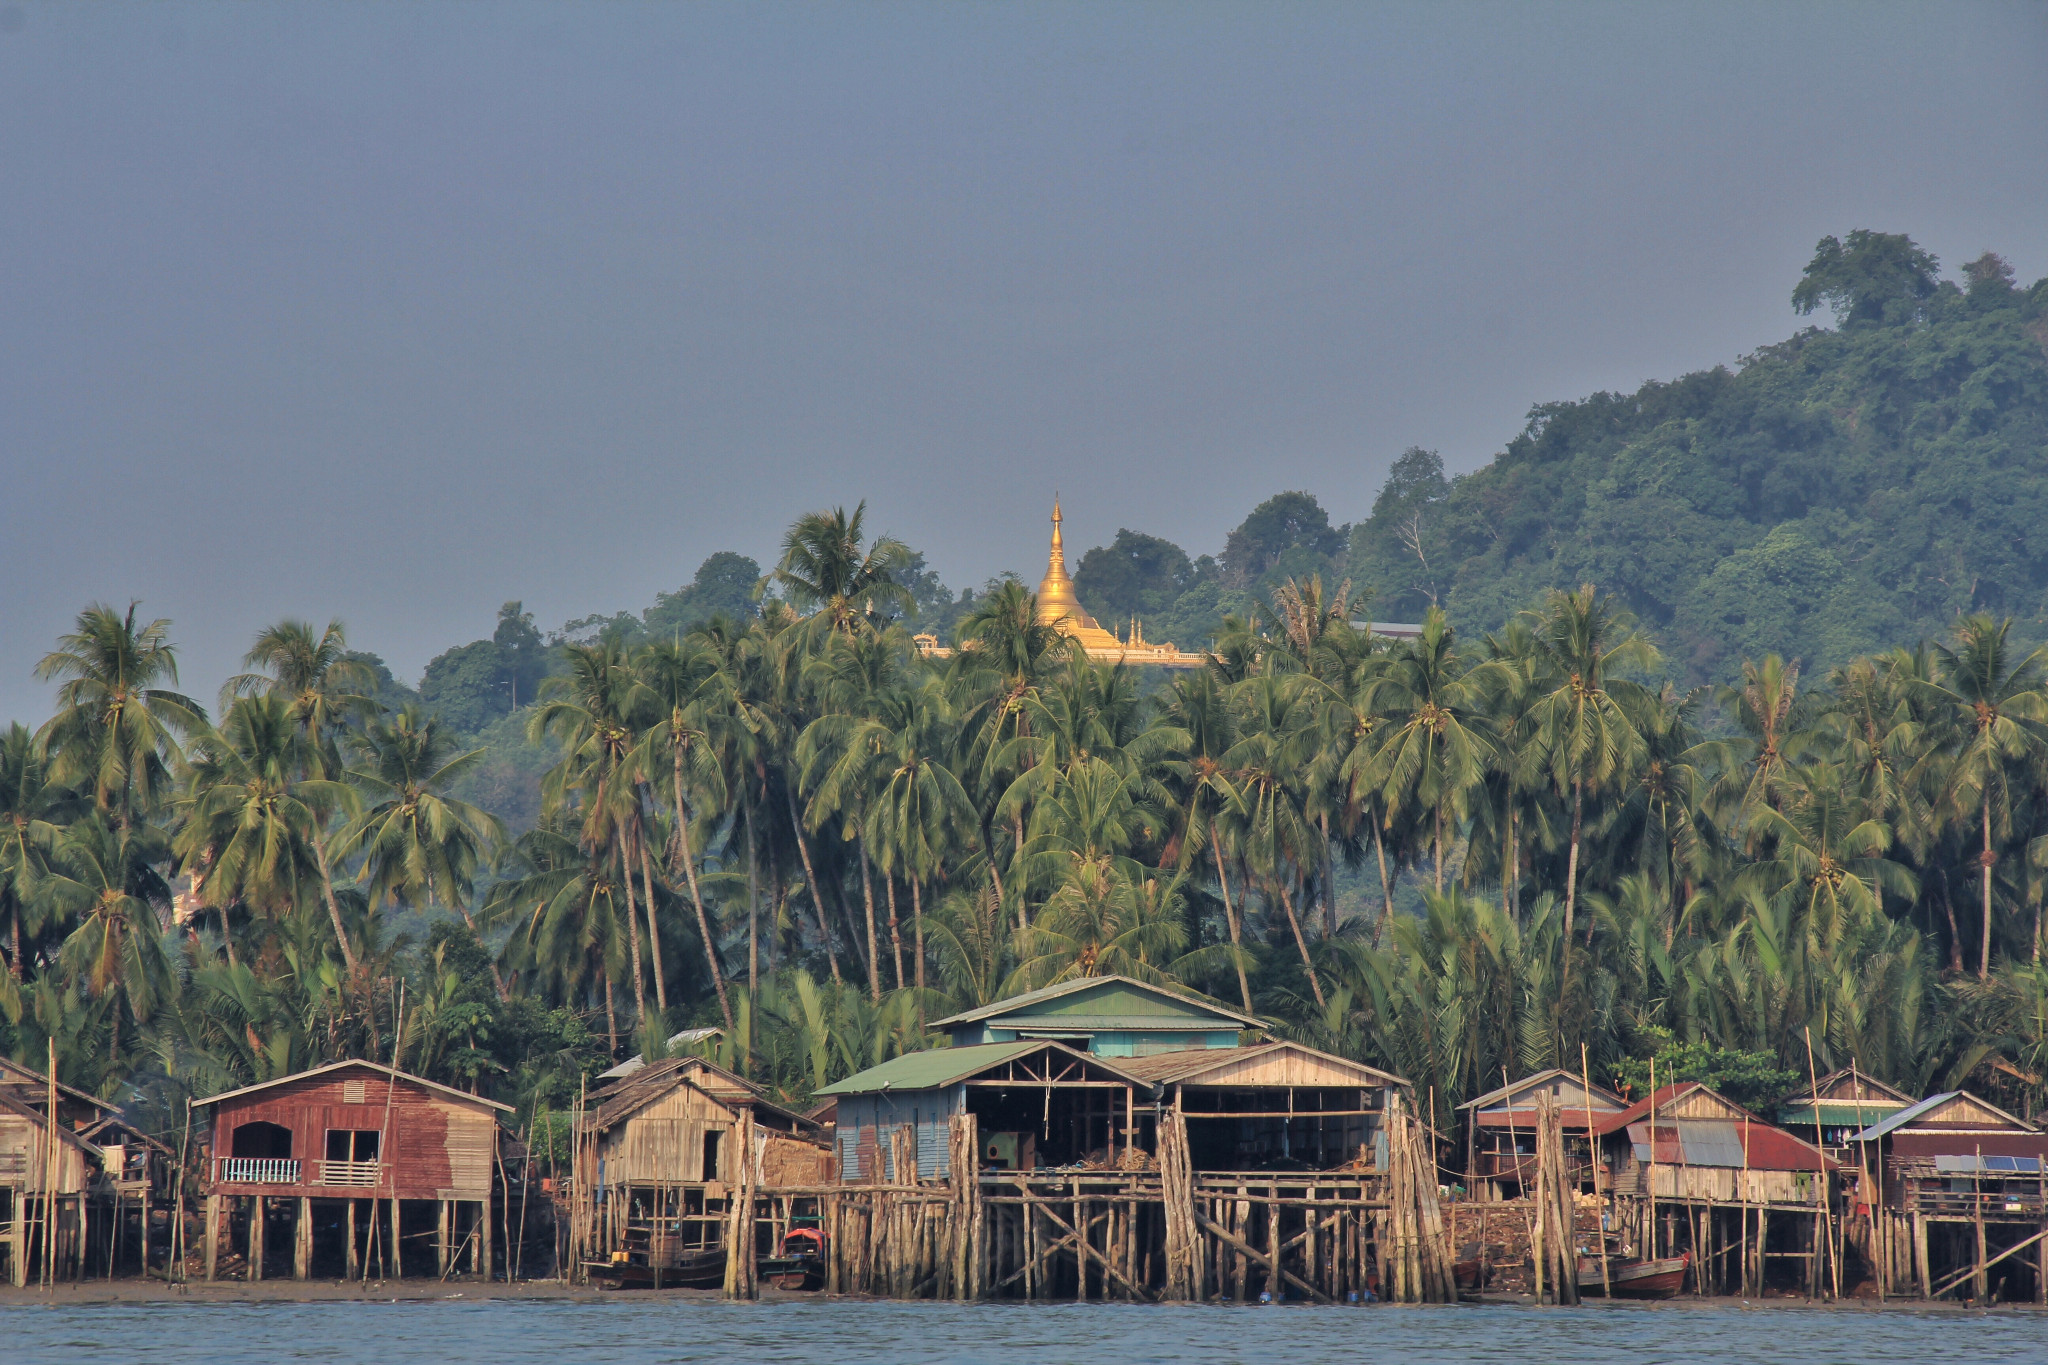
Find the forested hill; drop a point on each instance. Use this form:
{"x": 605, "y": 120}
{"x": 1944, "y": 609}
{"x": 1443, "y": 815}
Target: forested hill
{"x": 1848, "y": 490}
{"x": 1843, "y": 491}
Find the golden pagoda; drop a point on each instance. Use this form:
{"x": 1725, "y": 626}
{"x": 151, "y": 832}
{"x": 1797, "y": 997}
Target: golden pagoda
{"x": 1060, "y": 607}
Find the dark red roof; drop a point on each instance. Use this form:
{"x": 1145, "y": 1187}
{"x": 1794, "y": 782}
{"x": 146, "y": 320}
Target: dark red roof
{"x": 1768, "y": 1147}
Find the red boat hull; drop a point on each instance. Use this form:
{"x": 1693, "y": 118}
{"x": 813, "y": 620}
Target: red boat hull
{"x": 1659, "y": 1279}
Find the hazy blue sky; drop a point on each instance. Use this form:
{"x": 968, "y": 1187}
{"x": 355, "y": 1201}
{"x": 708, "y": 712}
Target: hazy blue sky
{"x": 393, "y": 312}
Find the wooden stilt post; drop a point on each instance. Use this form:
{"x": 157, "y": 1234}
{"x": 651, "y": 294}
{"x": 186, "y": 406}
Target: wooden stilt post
{"x": 257, "y": 1231}
{"x": 17, "y": 1237}
{"x": 397, "y": 1268}
{"x": 210, "y": 1234}
{"x": 446, "y": 1212}
{"x": 302, "y": 1241}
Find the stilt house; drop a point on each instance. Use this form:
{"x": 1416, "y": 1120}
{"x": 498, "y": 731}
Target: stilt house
{"x": 357, "y": 1165}
{"x": 1960, "y": 1190}
{"x": 664, "y": 1150}
{"x": 1038, "y": 1103}
{"x": 1700, "y": 1174}
{"x": 46, "y": 1170}
{"x": 1500, "y": 1132}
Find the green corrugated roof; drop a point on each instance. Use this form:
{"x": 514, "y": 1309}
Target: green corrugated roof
{"x": 1115, "y": 997}
{"x": 1836, "y": 1114}
{"x": 931, "y": 1070}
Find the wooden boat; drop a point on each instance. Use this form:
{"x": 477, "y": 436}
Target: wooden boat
{"x": 1470, "y": 1272}
{"x": 799, "y": 1263}
{"x": 702, "y": 1269}
{"x": 1658, "y": 1279}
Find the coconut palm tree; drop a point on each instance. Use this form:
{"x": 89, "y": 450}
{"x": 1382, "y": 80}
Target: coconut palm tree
{"x": 105, "y": 877}
{"x": 1434, "y": 741}
{"x": 1992, "y": 709}
{"x": 419, "y": 844}
{"x": 117, "y": 726}
{"x": 253, "y": 818}
{"x": 687, "y": 699}
{"x": 320, "y": 685}
{"x": 1580, "y": 720}
{"x": 826, "y": 571}
{"x": 33, "y": 813}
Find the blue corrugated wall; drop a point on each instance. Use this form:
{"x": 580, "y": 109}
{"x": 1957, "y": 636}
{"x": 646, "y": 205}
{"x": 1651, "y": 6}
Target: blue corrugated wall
{"x": 864, "y": 1123}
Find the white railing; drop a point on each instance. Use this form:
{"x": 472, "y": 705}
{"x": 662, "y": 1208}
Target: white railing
{"x": 350, "y": 1172}
{"x": 255, "y": 1170}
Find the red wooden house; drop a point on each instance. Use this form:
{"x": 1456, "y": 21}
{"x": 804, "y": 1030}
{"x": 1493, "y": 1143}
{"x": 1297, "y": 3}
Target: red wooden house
{"x": 359, "y": 1165}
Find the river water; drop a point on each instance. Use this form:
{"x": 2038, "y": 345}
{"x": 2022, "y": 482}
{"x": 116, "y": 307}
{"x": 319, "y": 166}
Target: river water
{"x": 829, "y": 1332}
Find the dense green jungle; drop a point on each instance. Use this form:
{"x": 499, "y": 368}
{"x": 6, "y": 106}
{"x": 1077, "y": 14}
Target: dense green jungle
{"x": 1724, "y": 742}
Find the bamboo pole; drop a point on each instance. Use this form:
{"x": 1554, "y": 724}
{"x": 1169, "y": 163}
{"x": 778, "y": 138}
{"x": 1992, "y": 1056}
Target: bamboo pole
{"x": 1593, "y": 1162}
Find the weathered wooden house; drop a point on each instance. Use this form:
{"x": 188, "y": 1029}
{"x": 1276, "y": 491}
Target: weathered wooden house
{"x": 1110, "y": 1016}
{"x": 357, "y": 1165}
{"x": 1701, "y": 1175}
{"x": 1269, "y": 1106}
{"x": 1500, "y": 1132}
{"x": 46, "y": 1171}
{"x": 660, "y": 1155}
{"x": 1958, "y": 1196}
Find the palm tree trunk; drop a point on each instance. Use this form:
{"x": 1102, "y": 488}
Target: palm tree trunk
{"x": 1230, "y": 916}
{"x": 867, "y": 892}
{"x": 1984, "y": 955}
{"x": 611, "y": 1016}
{"x": 1955, "y": 934}
{"x": 1571, "y": 874}
{"x": 988, "y": 842}
{"x": 14, "y": 959}
{"x": 803, "y": 849}
{"x": 1379, "y": 845}
{"x": 917, "y": 928}
{"x": 653, "y": 925}
{"x": 1295, "y": 923}
{"x": 225, "y": 937}
{"x": 633, "y": 938}
{"x": 688, "y": 858}
{"x": 1023, "y": 920}
{"x": 348, "y": 954}
{"x": 895, "y": 933}
{"x": 1439, "y": 850}
{"x": 753, "y": 900}
{"x": 1329, "y": 886}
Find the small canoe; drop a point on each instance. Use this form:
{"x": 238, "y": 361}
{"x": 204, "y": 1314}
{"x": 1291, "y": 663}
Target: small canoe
{"x": 1658, "y": 1279}
{"x": 799, "y": 1263}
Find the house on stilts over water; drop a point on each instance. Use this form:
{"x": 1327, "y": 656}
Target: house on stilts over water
{"x": 351, "y": 1169}
{"x": 1101, "y": 1138}
{"x": 1698, "y": 1175}
{"x": 78, "y": 1179}
{"x": 1953, "y": 1200}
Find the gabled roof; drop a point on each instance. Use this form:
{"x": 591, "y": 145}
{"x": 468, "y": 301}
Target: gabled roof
{"x": 939, "y": 1067}
{"x": 1762, "y": 1146}
{"x": 1557, "y": 1073}
{"x": 378, "y": 1067}
{"x": 14, "y": 1106}
{"x": 1183, "y": 1066}
{"x": 14, "y": 1074}
{"x": 661, "y": 1078}
{"x": 1920, "y": 1112}
{"x": 1105, "y": 1002}
{"x": 1831, "y": 1090}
